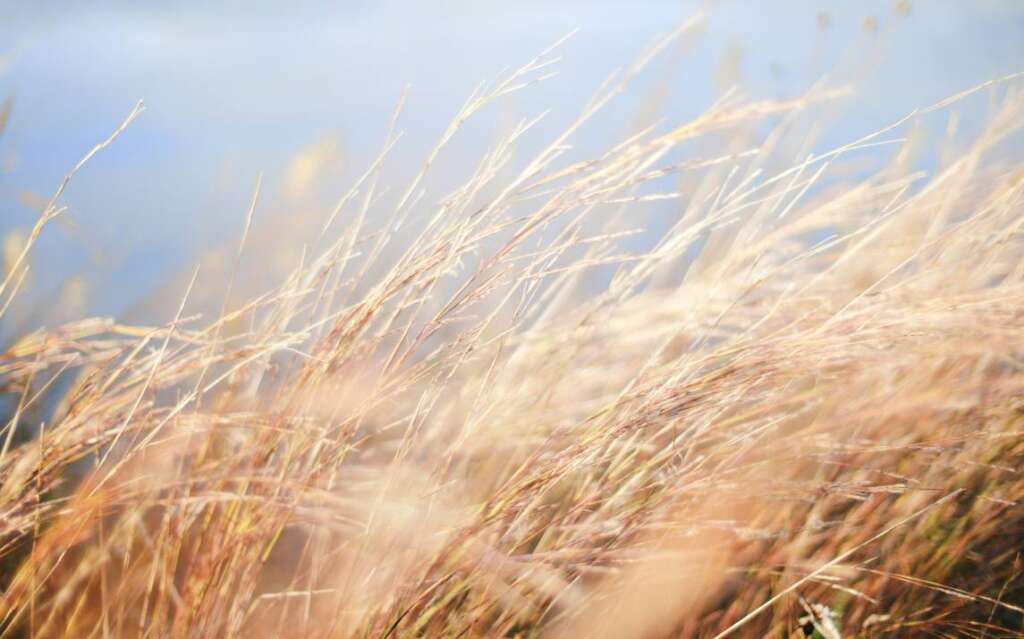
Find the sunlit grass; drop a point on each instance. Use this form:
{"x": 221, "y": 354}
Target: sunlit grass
{"x": 481, "y": 415}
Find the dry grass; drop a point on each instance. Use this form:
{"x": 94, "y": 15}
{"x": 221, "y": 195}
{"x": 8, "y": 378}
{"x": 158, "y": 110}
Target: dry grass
{"x": 802, "y": 408}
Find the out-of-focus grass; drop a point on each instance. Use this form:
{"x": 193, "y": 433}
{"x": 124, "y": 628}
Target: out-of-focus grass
{"x": 799, "y": 412}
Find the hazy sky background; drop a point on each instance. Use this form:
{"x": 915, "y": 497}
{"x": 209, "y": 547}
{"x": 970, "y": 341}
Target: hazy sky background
{"x": 235, "y": 88}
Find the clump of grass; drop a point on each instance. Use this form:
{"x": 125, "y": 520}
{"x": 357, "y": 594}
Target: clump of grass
{"x": 799, "y": 412}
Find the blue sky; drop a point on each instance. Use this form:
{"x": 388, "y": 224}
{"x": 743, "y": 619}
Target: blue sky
{"x": 235, "y": 88}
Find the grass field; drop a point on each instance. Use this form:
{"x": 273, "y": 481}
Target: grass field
{"x": 799, "y": 411}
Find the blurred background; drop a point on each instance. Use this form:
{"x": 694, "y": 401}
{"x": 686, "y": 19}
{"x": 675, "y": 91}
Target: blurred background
{"x": 304, "y": 91}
